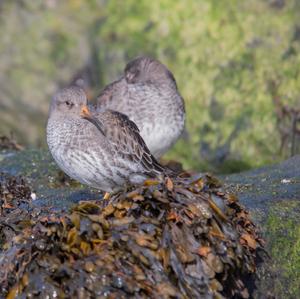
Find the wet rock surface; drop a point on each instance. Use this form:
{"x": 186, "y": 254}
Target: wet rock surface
{"x": 261, "y": 188}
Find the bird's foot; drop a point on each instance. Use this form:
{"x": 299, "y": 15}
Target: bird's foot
{"x": 106, "y": 196}
{"x": 150, "y": 182}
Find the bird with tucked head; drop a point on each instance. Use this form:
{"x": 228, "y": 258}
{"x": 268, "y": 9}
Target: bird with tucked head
{"x": 147, "y": 93}
{"x": 146, "y": 69}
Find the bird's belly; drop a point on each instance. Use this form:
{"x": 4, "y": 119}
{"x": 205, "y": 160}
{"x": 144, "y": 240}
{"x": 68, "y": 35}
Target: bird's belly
{"x": 87, "y": 168}
{"x": 85, "y": 159}
{"x": 159, "y": 137}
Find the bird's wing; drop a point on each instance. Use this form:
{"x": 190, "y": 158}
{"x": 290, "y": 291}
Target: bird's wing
{"x": 123, "y": 135}
{"x": 118, "y": 95}
{"x": 106, "y": 96}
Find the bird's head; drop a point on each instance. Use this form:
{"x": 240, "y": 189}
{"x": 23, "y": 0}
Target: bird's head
{"x": 145, "y": 69}
{"x": 68, "y": 102}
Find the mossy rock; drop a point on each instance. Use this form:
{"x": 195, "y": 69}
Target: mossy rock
{"x": 270, "y": 193}
{"x": 180, "y": 237}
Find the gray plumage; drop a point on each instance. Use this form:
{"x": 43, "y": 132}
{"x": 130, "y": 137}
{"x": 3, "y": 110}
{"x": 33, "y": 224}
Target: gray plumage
{"x": 147, "y": 93}
{"x": 102, "y": 149}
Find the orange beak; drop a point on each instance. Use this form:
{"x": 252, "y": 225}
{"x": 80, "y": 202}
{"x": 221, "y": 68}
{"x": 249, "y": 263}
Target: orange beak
{"x": 85, "y": 112}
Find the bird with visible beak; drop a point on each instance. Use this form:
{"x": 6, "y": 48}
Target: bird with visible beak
{"x": 102, "y": 149}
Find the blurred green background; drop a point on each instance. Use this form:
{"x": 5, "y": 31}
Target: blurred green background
{"x": 236, "y": 64}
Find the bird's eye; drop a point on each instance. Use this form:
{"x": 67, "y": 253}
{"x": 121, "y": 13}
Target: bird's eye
{"x": 69, "y": 104}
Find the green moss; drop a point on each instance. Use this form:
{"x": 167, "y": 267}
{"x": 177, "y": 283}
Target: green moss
{"x": 283, "y": 235}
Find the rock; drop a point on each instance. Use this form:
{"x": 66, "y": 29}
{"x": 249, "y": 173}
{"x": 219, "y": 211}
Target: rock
{"x": 182, "y": 236}
{"x": 260, "y": 188}
{"x": 270, "y": 193}
{"x": 48, "y": 183}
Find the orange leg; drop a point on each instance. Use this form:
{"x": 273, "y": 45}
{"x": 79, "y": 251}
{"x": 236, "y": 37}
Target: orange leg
{"x": 106, "y": 196}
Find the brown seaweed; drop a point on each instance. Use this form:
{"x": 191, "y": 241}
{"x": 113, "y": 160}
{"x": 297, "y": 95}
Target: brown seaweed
{"x": 183, "y": 238}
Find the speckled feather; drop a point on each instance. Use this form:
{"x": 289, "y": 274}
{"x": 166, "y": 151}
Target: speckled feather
{"x": 124, "y": 137}
{"x": 152, "y": 101}
{"x": 107, "y": 153}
